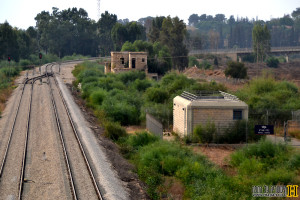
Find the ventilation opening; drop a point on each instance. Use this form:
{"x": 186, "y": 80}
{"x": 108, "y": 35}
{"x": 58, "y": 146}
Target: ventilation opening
{"x": 122, "y": 61}
{"x": 237, "y": 115}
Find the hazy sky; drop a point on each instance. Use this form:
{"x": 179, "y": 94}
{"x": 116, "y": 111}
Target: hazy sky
{"x": 21, "y": 13}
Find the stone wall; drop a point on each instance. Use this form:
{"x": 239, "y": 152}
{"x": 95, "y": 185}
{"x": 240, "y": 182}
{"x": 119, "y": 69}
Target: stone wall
{"x": 223, "y": 118}
{"x": 140, "y": 59}
{"x": 119, "y": 59}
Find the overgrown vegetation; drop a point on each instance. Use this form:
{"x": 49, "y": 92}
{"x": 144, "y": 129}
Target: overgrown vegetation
{"x": 267, "y": 93}
{"x": 125, "y": 97}
{"x": 272, "y": 62}
{"x": 7, "y": 75}
{"x": 236, "y": 70}
{"x": 263, "y": 163}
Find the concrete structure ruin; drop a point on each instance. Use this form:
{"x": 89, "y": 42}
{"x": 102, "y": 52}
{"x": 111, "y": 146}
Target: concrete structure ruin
{"x": 127, "y": 61}
{"x": 221, "y": 108}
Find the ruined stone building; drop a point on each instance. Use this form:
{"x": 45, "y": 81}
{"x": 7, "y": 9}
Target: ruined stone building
{"x": 220, "y": 108}
{"x": 127, "y": 61}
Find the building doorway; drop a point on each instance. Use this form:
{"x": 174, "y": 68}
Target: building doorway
{"x": 133, "y": 63}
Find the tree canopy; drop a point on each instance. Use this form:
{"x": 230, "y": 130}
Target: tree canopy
{"x": 261, "y": 41}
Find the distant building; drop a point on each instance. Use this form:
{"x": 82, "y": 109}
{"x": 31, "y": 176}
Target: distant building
{"x": 127, "y": 61}
{"x": 221, "y": 108}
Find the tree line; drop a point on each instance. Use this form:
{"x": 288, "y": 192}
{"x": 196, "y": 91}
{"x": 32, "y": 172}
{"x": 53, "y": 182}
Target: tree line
{"x": 71, "y": 31}
{"x": 217, "y": 31}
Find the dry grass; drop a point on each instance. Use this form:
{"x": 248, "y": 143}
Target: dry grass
{"x": 217, "y": 155}
{"x": 175, "y": 189}
{"x": 4, "y": 95}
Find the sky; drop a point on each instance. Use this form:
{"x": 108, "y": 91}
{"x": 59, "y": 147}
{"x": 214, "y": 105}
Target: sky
{"x": 21, "y": 13}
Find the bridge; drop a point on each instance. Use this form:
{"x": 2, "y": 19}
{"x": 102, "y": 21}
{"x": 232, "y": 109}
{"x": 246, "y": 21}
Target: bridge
{"x": 236, "y": 53}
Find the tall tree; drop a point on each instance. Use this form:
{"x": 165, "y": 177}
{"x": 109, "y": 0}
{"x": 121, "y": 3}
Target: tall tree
{"x": 8, "y": 42}
{"x": 172, "y": 35}
{"x": 261, "y": 41}
{"x": 105, "y": 25}
{"x": 155, "y": 29}
{"x": 129, "y": 32}
{"x": 193, "y": 19}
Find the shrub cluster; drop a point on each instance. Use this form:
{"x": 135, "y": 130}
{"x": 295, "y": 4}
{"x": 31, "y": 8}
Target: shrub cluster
{"x": 266, "y": 93}
{"x": 156, "y": 159}
{"x": 272, "y": 62}
{"x": 266, "y": 163}
{"x": 124, "y": 97}
{"x": 236, "y": 70}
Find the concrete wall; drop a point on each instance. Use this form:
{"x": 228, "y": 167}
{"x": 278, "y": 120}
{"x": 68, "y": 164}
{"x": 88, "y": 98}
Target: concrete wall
{"x": 222, "y": 117}
{"x": 179, "y": 118}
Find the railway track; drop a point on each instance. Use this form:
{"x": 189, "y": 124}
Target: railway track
{"x": 70, "y": 141}
{"x": 81, "y": 179}
{"x": 7, "y": 181}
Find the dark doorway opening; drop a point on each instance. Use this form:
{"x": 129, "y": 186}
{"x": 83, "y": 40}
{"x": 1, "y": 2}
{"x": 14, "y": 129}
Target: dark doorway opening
{"x": 133, "y": 63}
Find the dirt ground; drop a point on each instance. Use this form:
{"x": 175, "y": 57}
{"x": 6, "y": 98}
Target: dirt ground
{"x": 217, "y": 155}
{"x": 286, "y": 71}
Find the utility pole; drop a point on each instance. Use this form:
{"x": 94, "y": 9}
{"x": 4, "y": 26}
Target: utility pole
{"x": 98, "y": 9}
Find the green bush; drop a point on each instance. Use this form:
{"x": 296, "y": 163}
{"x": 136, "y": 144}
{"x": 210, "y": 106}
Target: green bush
{"x": 206, "y": 133}
{"x": 272, "y": 62}
{"x": 157, "y": 95}
{"x": 264, "y": 149}
{"x": 236, "y": 70}
{"x": 25, "y": 63}
{"x": 193, "y": 61}
{"x": 237, "y": 133}
{"x": 294, "y": 162}
{"x": 114, "y": 130}
{"x": 141, "y": 85}
{"x": 97, "y": 96}
{"x": 141, "y": 139}
{"x": 278, "y": 176}
{"x": 131, "y": 76}
{"x": 267, "y": 93}
{"x": 205, "y": 64}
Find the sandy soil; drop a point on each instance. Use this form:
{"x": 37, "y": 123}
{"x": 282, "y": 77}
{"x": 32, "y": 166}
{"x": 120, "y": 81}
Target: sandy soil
{"x": 217, "y": 155}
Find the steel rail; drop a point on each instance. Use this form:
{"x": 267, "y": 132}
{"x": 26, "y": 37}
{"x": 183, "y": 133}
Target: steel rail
{"x": 11, "y": 135}
{"x": 71, "y": 180}
{"x": 12, "y": 130}
{"x": 97, "y": 189}
{"x": 21, "y": 180}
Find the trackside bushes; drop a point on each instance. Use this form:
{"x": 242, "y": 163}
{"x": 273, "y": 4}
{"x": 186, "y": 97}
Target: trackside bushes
{"x": 114, "y": 130}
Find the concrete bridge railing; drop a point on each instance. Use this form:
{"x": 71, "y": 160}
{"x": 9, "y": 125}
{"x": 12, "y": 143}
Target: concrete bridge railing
{"x": 244, "y": 50}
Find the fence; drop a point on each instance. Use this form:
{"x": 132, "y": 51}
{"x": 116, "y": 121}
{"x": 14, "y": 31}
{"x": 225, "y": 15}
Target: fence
{"x": 154, "y": 126}
{"x": 286, "y": 124}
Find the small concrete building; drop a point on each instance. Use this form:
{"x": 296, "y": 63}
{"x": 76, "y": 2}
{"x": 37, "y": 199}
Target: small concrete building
{"x": 127, "y": 61}
{"x": 221, "y": 108}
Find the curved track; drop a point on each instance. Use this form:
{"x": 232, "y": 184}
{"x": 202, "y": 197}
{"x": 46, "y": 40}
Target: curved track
{"x": 81, "y": 179}
{"x": 9, "y": 180}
